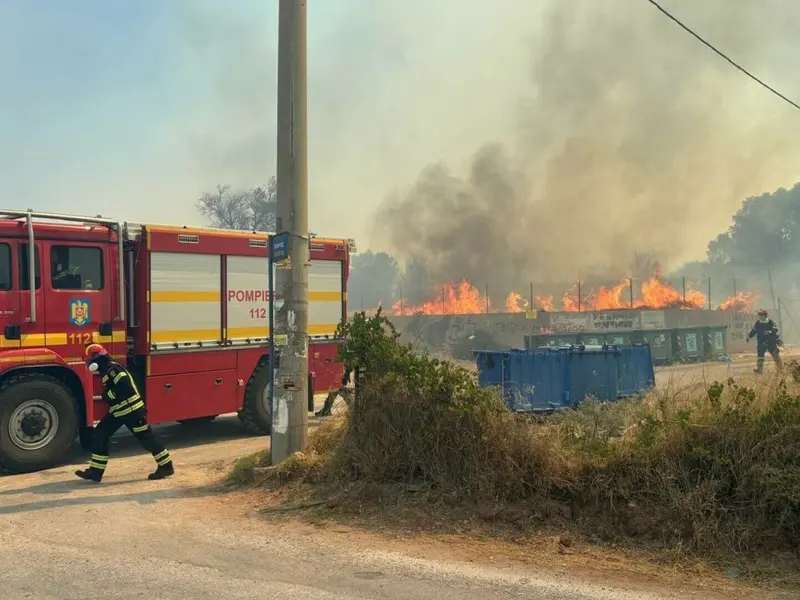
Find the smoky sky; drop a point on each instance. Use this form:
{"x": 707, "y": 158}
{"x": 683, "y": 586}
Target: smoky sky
{"x": 628, "y": 137}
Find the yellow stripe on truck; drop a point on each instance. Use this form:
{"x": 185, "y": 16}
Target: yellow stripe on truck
{"x": 34, "y": 340}
{"x": 184, "y": 335}
{"x": 117, "y": 337}
{"x": 167, "y": 296}
{"x": 28, "y": 358}
{"x": 234, "y": 333}
{"x": 322, "y": 329}
{"x": 214, "y": 296}
{"x": 324, "y": 296}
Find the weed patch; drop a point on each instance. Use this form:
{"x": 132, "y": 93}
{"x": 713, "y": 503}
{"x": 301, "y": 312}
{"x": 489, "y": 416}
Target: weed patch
{"x": 714, "y": 471}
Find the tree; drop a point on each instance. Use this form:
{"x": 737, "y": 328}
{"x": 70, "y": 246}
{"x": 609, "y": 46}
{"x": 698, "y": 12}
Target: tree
{"x": 248, "y": 210}
{"x": 414, "y": 281}
{"x": 373, "y": 279}
{"x": 763, "y": 232}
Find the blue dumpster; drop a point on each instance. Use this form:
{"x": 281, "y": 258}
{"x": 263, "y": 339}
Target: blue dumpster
{"x": 532, "y": 380}
{"x": 636, "y": 373}
{"x": 492, "y": 367}
{"x": 593, "y": 371}
{"x": 549, "y": 378}
{"x": 539, "y": 380}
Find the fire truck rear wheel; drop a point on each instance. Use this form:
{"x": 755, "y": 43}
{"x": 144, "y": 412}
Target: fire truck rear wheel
{"x": 38, "y": 421}
{"x": 256, "y": 413}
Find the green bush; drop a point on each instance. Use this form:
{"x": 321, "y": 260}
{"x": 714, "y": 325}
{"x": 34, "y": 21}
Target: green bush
{"x": 715, "y": 469}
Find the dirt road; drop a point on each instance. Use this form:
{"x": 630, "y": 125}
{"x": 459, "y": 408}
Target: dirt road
{"x": 131, "y": 538}
{"x": 740, "y": 367}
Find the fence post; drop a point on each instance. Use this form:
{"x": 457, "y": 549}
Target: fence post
{"x": 684, "y": 292}
{"x": 630, "y": 290}
{"x": 772, "y": 289}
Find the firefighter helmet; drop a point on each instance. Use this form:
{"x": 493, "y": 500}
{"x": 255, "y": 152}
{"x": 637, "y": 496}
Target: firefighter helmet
{"x": 95, "y": 355}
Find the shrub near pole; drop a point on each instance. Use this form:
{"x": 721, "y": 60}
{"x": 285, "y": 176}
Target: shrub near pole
{"x": 712, "y": 471}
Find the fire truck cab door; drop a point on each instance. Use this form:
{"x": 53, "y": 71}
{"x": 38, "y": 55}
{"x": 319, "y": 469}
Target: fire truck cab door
{"x": 31, "y": 334}
{"x": 9, "y": 299}
{"x": 79, "y": 284}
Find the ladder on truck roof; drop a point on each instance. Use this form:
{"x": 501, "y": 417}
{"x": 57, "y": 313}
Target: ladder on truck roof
{"x": 29, "y": 215}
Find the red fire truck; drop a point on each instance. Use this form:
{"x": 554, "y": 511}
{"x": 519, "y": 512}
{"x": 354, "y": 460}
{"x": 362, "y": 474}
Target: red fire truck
{"x": 185, "y": 309}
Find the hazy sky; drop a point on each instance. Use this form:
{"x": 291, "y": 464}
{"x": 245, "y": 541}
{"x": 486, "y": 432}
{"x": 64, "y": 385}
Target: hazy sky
{"x": 134, "y": 108}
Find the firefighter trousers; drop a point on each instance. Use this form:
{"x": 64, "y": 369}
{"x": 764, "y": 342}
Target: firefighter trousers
{"x": 762, "y": 348}
{"x": 137, "y": 424}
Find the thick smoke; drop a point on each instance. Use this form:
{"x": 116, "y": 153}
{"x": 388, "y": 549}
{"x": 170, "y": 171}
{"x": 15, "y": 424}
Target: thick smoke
{"x": 633, "y": 138}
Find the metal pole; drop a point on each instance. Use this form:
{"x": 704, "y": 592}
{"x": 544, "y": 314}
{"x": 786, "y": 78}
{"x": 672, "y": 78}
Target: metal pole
{"x": 271, "y": 308}
{"x": 630, "y": 290}
{"x": 442, "y": 300}
{"x": 120, "y": 276}
{"x": 486, "y": 296}
{"x": 684, "y": 291}
{"x": 579, "y": 295}
{"x": 734, "y": 286}
{"x": 532, "y": 306}
{"x": 31, "y": 268}
{"x": 709, "y": 292}
{"x": 402, "y": 307}
{"x": 772, "y": 290}
{"x": 290, "y": 417}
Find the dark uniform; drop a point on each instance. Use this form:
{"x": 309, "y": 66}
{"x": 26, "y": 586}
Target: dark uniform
{"x": 126, "y": 408}
{"x": 767, "y": 340}
{"x": 331, "y": 398}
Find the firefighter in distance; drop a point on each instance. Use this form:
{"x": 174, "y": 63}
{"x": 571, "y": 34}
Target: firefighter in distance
{"x": 126, "y": 407}
{"x": 767, "y": 340}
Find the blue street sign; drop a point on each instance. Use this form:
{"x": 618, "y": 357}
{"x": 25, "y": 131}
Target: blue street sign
{"x": 279, "y": 249}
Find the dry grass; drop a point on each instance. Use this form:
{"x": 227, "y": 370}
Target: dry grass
{"x": 710, "y": 470}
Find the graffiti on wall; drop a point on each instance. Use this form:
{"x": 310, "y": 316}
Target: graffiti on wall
{"x": 610, "y": 320}
{"x": 740, "y": 326}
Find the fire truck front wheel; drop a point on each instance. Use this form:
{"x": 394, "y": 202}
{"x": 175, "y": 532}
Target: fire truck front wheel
{"x": 38, "y": 421}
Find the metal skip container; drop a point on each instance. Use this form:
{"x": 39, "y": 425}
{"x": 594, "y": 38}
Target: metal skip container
{"x": 548, "y": 378}
{"x": 531, "y": 380}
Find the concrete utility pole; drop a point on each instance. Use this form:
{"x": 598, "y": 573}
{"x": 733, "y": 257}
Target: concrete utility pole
{"x": 290, "y": 409}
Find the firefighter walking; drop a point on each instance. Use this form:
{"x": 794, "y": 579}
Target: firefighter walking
{"x": 767, "y": 340}
{"x": 126, "y": 407}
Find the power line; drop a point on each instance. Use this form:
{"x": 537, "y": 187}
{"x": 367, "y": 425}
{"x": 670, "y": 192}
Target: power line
{"x": 667, "y": 14}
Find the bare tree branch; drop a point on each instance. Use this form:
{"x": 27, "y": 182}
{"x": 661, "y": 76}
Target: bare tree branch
{"x": 246, "y": 210}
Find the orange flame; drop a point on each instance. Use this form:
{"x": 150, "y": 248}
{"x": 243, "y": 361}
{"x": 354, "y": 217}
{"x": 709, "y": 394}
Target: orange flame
{"x": 464, "y": 298}
{"x": 515, "y": 303}
{"x": 742, "y": 302}
{"x": 456, "y": 299}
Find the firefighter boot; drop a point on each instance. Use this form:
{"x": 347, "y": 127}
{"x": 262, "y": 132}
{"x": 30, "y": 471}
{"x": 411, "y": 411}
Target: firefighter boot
{"x": 90, "y": 474}
{"x": 162, "y": 471}
{"x": 759, "y": 365}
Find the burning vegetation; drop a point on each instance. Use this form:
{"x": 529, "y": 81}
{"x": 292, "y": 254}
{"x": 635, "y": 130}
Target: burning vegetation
{"x": 654, "y": 293}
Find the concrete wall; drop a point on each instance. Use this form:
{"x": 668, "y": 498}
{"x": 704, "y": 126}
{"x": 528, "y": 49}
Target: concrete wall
{"x": 461, "y": 333}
